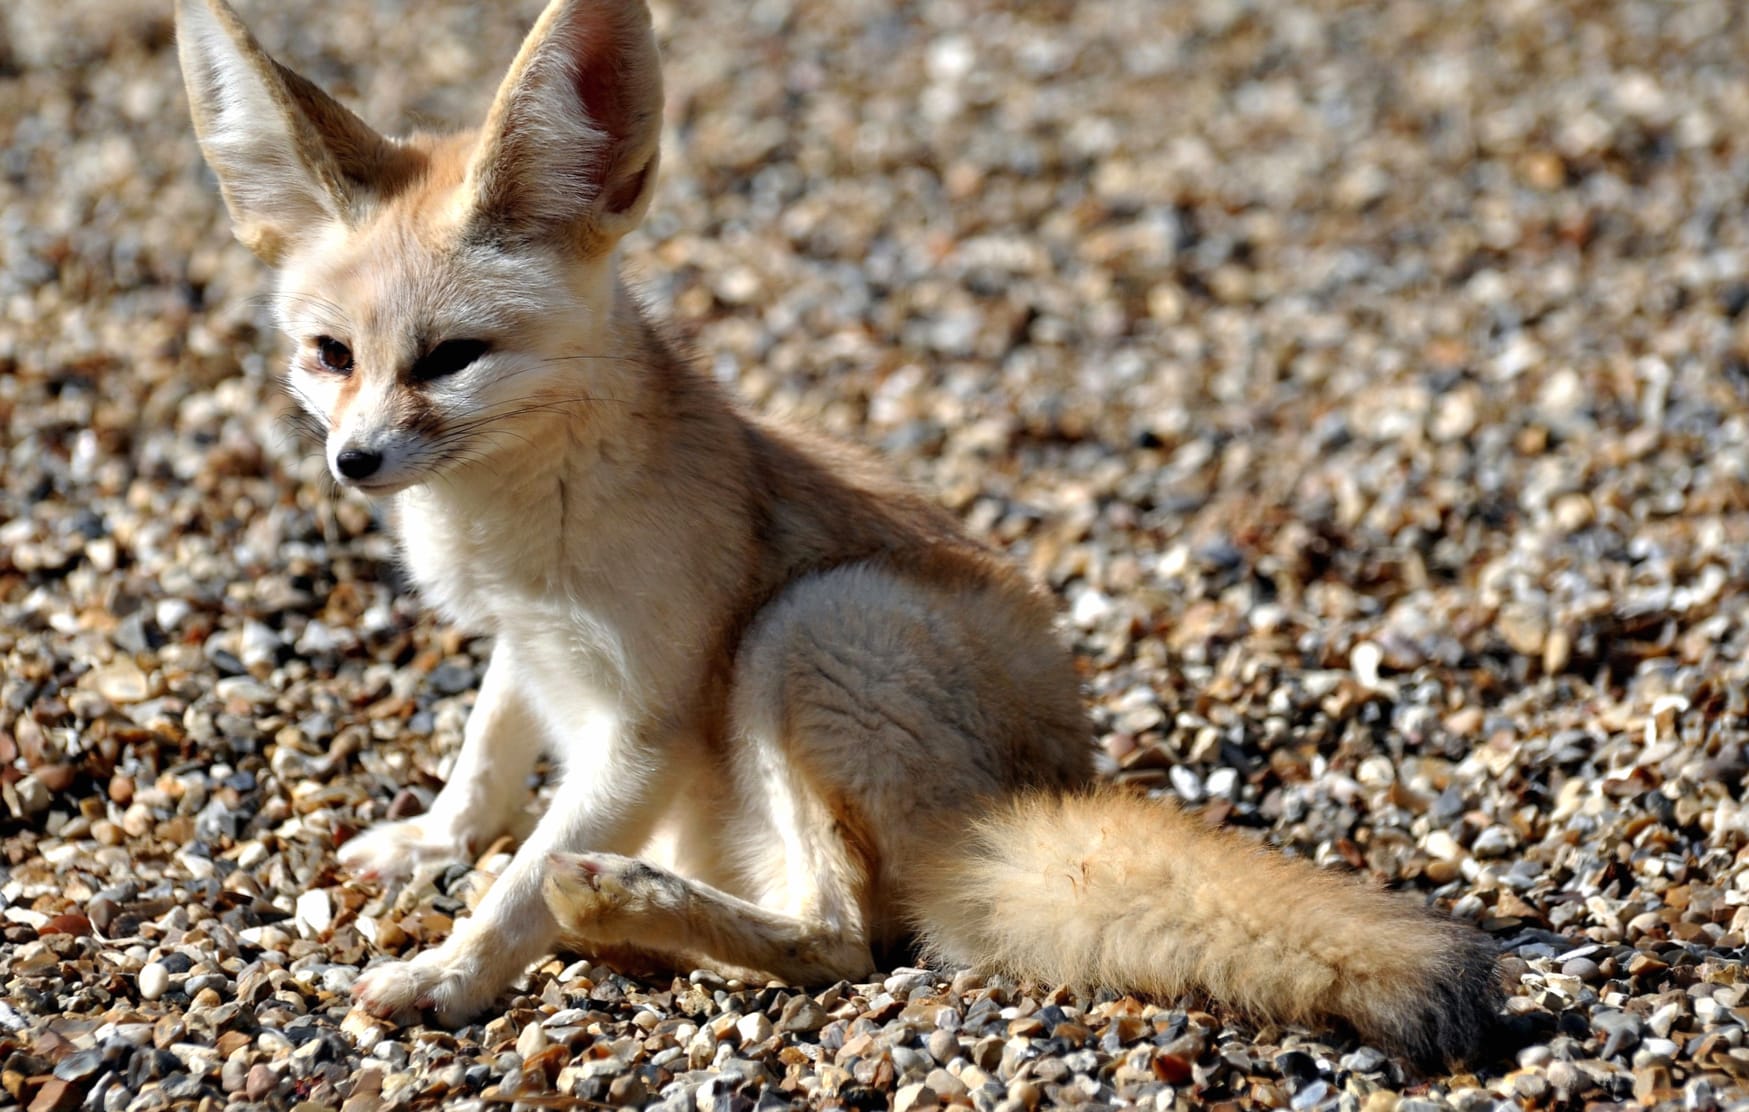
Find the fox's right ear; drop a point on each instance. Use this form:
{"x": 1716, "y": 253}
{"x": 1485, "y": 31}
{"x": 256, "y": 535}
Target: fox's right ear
{"x": 569, "y": 147}
{"x": 289, "y": 158}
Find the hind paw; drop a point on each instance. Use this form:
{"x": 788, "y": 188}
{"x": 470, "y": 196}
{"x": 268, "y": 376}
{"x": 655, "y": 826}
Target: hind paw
{"x": 601, "y": 894}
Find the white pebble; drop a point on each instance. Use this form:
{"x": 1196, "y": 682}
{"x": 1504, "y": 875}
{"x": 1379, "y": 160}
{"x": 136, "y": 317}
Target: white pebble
{"x": 914, "y": 1095}
{"x": 154, "y": 981}
{"x": 171, "y": 612}
{"x": 1089, "y": 609}
{"x": 754, "y": 1028}
{"x": 1659, "y": 1051}
{"x": 1493, "y": 841}
{"x": 1443, "y": 846}
{"x": 1365, "y": 659}
{"x": 531, "y": 1041}
{"x": 315, "y": 913}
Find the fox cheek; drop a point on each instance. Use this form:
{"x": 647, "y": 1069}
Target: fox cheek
{"x": 312, "y": 402}
{"x": 424, "y": 413}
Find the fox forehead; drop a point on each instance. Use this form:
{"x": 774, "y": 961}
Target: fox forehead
{"x": 412, "y": 274}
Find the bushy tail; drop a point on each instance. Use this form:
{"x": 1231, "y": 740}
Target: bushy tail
{"x": 1108, "y": 888}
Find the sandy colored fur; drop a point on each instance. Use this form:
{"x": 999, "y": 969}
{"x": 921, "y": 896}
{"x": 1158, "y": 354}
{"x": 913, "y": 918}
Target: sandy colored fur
{"x": 796, "y": 711}
{"x": 1109, "y": 888}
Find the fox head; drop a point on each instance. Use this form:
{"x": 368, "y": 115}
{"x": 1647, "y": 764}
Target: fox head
{"x": 436, "y": 288}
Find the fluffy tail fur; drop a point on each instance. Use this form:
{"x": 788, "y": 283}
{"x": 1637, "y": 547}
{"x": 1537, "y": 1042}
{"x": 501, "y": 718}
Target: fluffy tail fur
{"x": 1113, "y": 889}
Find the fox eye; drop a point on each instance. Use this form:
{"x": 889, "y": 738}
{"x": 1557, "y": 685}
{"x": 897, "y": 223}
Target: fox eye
{"x": 334, "y": 355}
{"x": 448, "y": 357}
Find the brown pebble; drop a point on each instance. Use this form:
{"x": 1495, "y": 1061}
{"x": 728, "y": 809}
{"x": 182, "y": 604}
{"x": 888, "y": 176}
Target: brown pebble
{"x": 1441, "y": 871}
{"x": 1544, "y": 170}
{"x": 72, "y": 923}
{"x": 55, "y": 777}
{"x": 1028, "y": 1026}
{"x": 1645, "y": 965}
{"x": 1171, "y": 1068}
{"x": 390, "y": 936}
{"x": 627, "y": 1089}
{"x": 1557, "y": 651}
{"x": 56, "y": 1095}
{"x": 405, "y": 805}
{"x": 229, "y": 1042}
{"x": 260, "y": 1082}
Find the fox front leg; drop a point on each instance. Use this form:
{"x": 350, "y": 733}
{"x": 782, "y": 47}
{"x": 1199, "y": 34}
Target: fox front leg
{"x": 483, "y": 796}
{"x": 607, "y": 801}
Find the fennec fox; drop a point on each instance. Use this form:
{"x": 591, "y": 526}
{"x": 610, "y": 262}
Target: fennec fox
{"x": 840, "y": 721}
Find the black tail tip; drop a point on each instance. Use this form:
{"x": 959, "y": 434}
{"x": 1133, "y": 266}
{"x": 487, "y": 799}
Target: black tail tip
{"x": 1452, "y": 1018}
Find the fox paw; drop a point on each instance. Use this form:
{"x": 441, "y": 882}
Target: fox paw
{"x": 397, "y": 849}
{"x": 432, "y": 980}
{"x": 601, "y": 894}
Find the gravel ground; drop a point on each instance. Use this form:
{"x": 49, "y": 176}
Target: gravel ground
{"x": 1369, "y": 380}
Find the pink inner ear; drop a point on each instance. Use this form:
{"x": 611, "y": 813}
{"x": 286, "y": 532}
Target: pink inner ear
{"x": 598, "y": 50}
{"x": 577, "y": 119}
{"x": 622, "y": 193}
{"x": 608, "y": 60}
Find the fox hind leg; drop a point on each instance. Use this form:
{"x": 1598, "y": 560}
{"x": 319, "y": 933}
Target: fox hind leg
{"x": 605, "y": 900}
{"x": 851, "y": 735}
{"x": 792, "y": 903}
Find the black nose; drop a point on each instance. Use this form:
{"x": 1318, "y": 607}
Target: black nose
{"x": 355, "y": 463}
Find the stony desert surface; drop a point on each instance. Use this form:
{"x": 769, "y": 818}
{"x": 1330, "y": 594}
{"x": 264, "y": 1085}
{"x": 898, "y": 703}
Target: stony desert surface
{"x": 1369, "y": 381}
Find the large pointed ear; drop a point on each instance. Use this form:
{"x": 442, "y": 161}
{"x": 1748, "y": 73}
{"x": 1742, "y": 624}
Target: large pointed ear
{"x": 569, "y": 147}
{"x": 289, "y": 158}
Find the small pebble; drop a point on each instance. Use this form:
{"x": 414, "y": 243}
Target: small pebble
{"x": 154, "y": 980}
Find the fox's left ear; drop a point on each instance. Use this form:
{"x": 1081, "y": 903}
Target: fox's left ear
{"x": 289, "y": 158}
{"x": 569, "y": 147}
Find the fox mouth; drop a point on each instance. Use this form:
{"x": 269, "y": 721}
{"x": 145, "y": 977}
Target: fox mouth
{"x": 379, "y": 487}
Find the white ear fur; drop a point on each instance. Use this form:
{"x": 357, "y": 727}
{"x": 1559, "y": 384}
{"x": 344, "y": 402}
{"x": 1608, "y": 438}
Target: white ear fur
{"x": 570, "y": 144}
{"x": 289, "y": 159}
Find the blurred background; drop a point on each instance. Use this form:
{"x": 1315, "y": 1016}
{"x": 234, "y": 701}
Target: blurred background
{"x": 1368, "y": 379}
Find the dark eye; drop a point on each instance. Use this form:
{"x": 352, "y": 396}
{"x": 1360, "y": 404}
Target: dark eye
{"x": 448, "y": 357}
{"x": 335, "y": 356}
